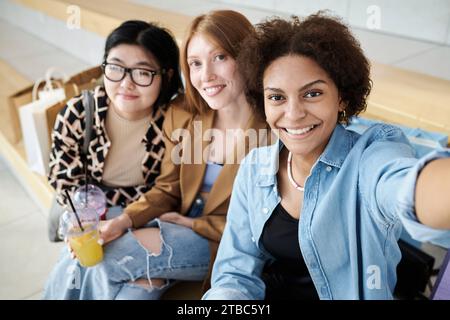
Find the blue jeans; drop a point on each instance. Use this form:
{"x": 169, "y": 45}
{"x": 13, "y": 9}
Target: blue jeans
{"x": 184, "y": 256}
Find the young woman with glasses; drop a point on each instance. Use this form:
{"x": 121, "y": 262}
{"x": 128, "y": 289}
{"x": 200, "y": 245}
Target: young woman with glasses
{"x": 141, "y": 76}
{"x": 141, "y": 79}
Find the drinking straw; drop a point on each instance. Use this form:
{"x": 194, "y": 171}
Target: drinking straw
{"x": 86, "y": 182}
{"x": 74, "y": 211}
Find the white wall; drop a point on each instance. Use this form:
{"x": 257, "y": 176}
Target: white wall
{"x": 427, "y": 20}
{"x": 84, "y": 45}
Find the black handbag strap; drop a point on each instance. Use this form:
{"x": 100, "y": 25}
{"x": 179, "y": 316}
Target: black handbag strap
{"x": 88, "y": 103}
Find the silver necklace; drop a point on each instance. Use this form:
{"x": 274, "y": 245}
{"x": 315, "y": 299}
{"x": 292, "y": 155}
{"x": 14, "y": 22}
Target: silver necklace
{"x": 289, "y": 172}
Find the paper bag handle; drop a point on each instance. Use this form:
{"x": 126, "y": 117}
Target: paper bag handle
{"x": 50, "y": 83}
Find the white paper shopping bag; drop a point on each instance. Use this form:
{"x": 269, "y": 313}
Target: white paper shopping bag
{"x": 33, "y": 122}
{"x": 35, "y": 133}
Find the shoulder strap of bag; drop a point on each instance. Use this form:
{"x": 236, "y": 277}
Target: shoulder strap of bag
{"x": 88, "y": 103}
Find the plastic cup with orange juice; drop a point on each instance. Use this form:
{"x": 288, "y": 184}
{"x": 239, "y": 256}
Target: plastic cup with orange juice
{"x": 84, "y": 243}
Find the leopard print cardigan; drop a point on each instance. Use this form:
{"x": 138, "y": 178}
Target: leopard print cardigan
{"x": 66, "y": 164}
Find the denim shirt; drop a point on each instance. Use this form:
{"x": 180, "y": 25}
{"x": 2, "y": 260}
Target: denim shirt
{"x": 357, "y": 198}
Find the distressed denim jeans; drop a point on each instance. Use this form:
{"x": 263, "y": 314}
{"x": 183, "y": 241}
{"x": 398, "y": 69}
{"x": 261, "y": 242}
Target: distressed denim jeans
{"x": 184, "y": 256}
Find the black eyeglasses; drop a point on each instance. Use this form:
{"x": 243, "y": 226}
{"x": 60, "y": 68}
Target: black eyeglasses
{"x": 141, "y": 77}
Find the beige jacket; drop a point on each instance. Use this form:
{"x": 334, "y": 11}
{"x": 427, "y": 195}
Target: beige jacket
{"x": 176, "y": 187}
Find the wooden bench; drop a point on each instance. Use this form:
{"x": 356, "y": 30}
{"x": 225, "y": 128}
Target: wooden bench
{"x": 102, "y": 16}
{"x": 409, "y": 98}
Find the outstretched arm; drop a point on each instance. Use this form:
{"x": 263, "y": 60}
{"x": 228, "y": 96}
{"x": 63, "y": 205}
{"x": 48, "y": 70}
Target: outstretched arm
{"x": 390, "y": 171}
{"x": 433, "y": 194}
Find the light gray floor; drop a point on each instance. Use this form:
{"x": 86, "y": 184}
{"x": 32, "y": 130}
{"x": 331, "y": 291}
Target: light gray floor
{"x": 31, "y": 56}
{"x": 26, "y": 255}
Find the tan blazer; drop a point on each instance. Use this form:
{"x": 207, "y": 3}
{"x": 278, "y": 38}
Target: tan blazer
{"x": 177, "y": 185}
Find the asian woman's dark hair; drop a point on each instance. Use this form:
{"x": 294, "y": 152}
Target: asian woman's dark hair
{"x": 160, "y": 43}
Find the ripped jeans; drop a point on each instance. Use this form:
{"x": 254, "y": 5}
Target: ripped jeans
{"x": 184, "y": 256}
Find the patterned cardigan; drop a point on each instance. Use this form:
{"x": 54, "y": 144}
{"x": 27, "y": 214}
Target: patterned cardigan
{"x": 66, "y": 164}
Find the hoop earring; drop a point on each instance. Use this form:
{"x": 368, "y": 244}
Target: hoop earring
{"x": 343, "y": 116}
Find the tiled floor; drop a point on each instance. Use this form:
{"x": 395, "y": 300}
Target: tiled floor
{"x": 26, "y": 254}
{"x": 31, "y": 56}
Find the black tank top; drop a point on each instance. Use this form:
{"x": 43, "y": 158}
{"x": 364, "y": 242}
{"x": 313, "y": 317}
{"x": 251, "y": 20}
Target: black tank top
{"x": 288, "y": 276}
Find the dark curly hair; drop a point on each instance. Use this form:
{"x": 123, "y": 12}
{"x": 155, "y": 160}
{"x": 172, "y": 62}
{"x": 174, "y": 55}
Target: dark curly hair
{"x": 321, "y": 37}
